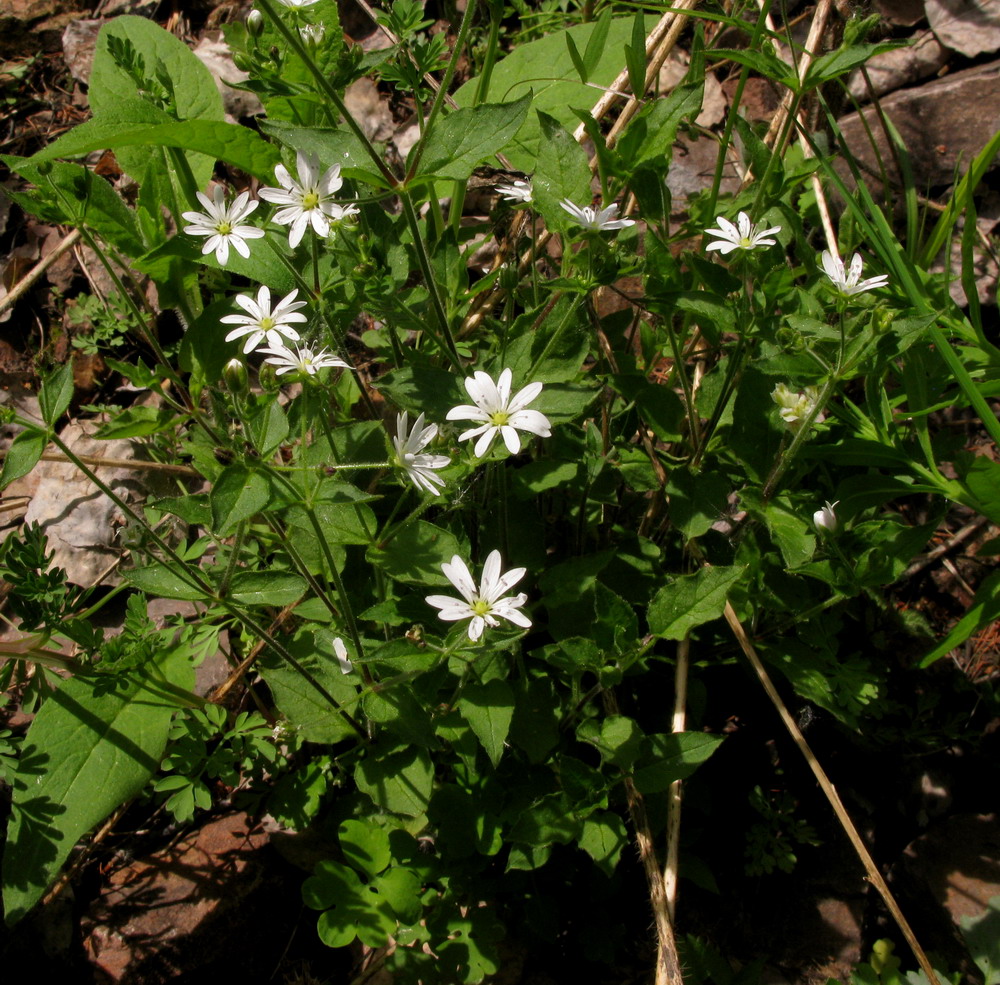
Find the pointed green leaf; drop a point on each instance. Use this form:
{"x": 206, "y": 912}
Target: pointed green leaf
{"x": 489, "y": 708}
{"x": 238, "y": 494}
{"x": 690, "y": 601}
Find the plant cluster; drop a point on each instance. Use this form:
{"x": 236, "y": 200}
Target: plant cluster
{"x": 470, "y": 636}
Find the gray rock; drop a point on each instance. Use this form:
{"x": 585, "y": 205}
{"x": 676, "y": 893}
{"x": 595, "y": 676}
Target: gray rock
{"x": 215, "y": 56}
{"x": 900, "y": 67}
{"x": 943, "y": 124}
{"x": 79, "y": 40}
{"x": 970, "y": 27}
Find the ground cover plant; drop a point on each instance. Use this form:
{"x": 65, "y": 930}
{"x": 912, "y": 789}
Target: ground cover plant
{"x": 479, "y": 568}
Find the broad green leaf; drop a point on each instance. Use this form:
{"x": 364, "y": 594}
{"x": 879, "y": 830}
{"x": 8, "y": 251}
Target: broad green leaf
{"x": 92, "y": 747}
{"x": 617, "y": 738}
{"x": 675, "y": 756}
{"x": 697, "y": 500}
{"x": 192, "y": 87}
{"x": 330, "y": 146}
{"x": 465, "y": 137}
{"x": 488, "y": 708}
{"x": 56, "y": 393}
{"x": 659, "y": 406}
{"x": 845, "y": 59}
{"x": 86, "y": 199}
{"x": 635, "y": 56}
{"x": 307, "y": 711}
{"x": 563, "y": 172}
{"x": 157, "y": 579}
{"x": 267, "y": 425}
{"x": 137, "y": 422}
{"x": 691, "y": 600}
{"x": 402, "y": 890}
{"x": 603, "y": 837}
{"x": 23, "y": 455}
{"x": 266, "y": 587}
{"x": 416, "y": 553}
{"x": 238, "y": 494}
{"x": 365, "y": 846}
{"x": 982, "y": 936}
{"x": 218, "y": 140}
{"x": 546, "y": 68}
{"x": 651, "y": 134}
{"x": 400, "y": 782}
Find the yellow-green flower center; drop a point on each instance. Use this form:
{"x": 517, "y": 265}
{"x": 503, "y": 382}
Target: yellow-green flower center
{"x": 266, "y": 323}
{"x": 499, "y": 418}
{"x": 224, "y": 228}
{"x": 746, "y": 242}
{"x": 309, "y": 201}
{"x": 481, "y": 607}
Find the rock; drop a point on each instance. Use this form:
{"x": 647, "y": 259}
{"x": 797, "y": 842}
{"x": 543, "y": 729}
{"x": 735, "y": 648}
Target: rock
{"x": 970, "y": 27}
{"x": 151, "y": 923}
{"x": 369, "y": 109}
{"x": 216, "y": 57}
{"x": 900, "y": 67}
{"x": 944, "y": 124}
{"x": 691, "y": 171}
{"x": 904, "y": 13}
{"x": 81, "y": 523}
{"x": 79, "y": 41}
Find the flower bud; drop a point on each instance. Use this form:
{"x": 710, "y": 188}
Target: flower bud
{"x": 235, "y": 375}
{"x": 826, "y": 519}
{"x": 255, "y": 23}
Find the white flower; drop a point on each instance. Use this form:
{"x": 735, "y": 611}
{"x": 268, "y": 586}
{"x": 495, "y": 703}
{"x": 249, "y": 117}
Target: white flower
{"x": 518, "y": 192}
{"x": 419, "y": 467}
{"x": 744, "y": 236}
{"x": 308, "y": 200}
{"x": 302, "y": 360}
{"x": 297, "y": 4}
{"x": 795, "y": 406}
{"x": 590, "y": 218}
{"x": 500, "y": 413}
{"x": 221, "y": 223}
{"x": 260, "y": 322}
{"x": 849, "y": 282}
{"x": 484, "y": 605}
{"x": 825, "y": 519}
{"x": 312, "y": 34}
{"x": 340, "y": 652}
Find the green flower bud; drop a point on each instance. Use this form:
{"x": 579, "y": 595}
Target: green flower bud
{"x": 255, "y": 23}
{"x": 235, "y": 376}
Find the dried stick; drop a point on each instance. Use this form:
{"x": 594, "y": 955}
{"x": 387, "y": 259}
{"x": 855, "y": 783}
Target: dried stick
{"x": 668, "y": 966}
{"x": 670, "y": 869}
{"x": 21, "y": 287}
{"x": 873, "y": 874}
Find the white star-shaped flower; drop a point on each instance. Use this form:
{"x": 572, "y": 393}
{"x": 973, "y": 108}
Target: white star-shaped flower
{"x": 849, "y": 282}
{"x": 302, "y": 360}
{"x": 482, "y": 605}
{"x": 313, "y": 34}
{"x": 260, "y": 322}
{"x": 518, "y": 192}
{"x": 743, "y": 236}
{"x": 308, "y": 200}
{"x": 223, "y": 224}
{"x": 410, "y": 457}
{"x": 500, "y": 413}
{"x": 589, "y": 218}
{"x": 297, "y": 4}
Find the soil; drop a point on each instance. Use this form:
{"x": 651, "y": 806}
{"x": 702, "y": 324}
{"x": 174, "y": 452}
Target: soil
{"x": 151, "y": 903}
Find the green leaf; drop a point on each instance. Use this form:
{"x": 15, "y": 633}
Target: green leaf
{"x": 400, "y": 782}
{"x": 195, "y": 95}
{"x": 159, "y": 580}
{"x": 465, "y": 137}
{"x": 416, "y": 553}
{"x": 617, "y": 738}
{"x": 238, "y": 494}
{"x": 137, "y": 422}
{"x": 596, "y": 43}
{"x": 690, "y": 601}
{"x": 489, "y": 708}
{"x": 307, "y": 711}
{"x": 574, "y": 54}
{"x": 56, "y": 393}
{"x": 267, "y": 426}
{"x": 266, "y": 587}
{"x": 92, "y": 747}
{"x": 402, "y": 890}
{"x": 635, "y": 56}
{"x": 603, "y": 837}
{"x": 227, "y": 142}
{"x": 331, "y": 146}
{"x": 659, "y": 406}
{"x": 365, "y": 846}
{"x": 563, "y": 171}
{"x": 845, "y": 59}
{"x": 23, "y": 455}
{"x": 675, "y": 756}
{"x": 86, "y": 200}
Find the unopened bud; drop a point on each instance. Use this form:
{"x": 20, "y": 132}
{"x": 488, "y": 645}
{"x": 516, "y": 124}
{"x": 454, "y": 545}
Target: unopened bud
{"x": 826, "y": 519}
{"x": 235, "y": 375}
{"x": 242, "y": 61}
{"x": 267, "y": 376}
{"x": 255, "y": 23}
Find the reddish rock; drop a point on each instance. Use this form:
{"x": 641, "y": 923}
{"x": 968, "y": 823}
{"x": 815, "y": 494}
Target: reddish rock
{"x": 148, "y": 924}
